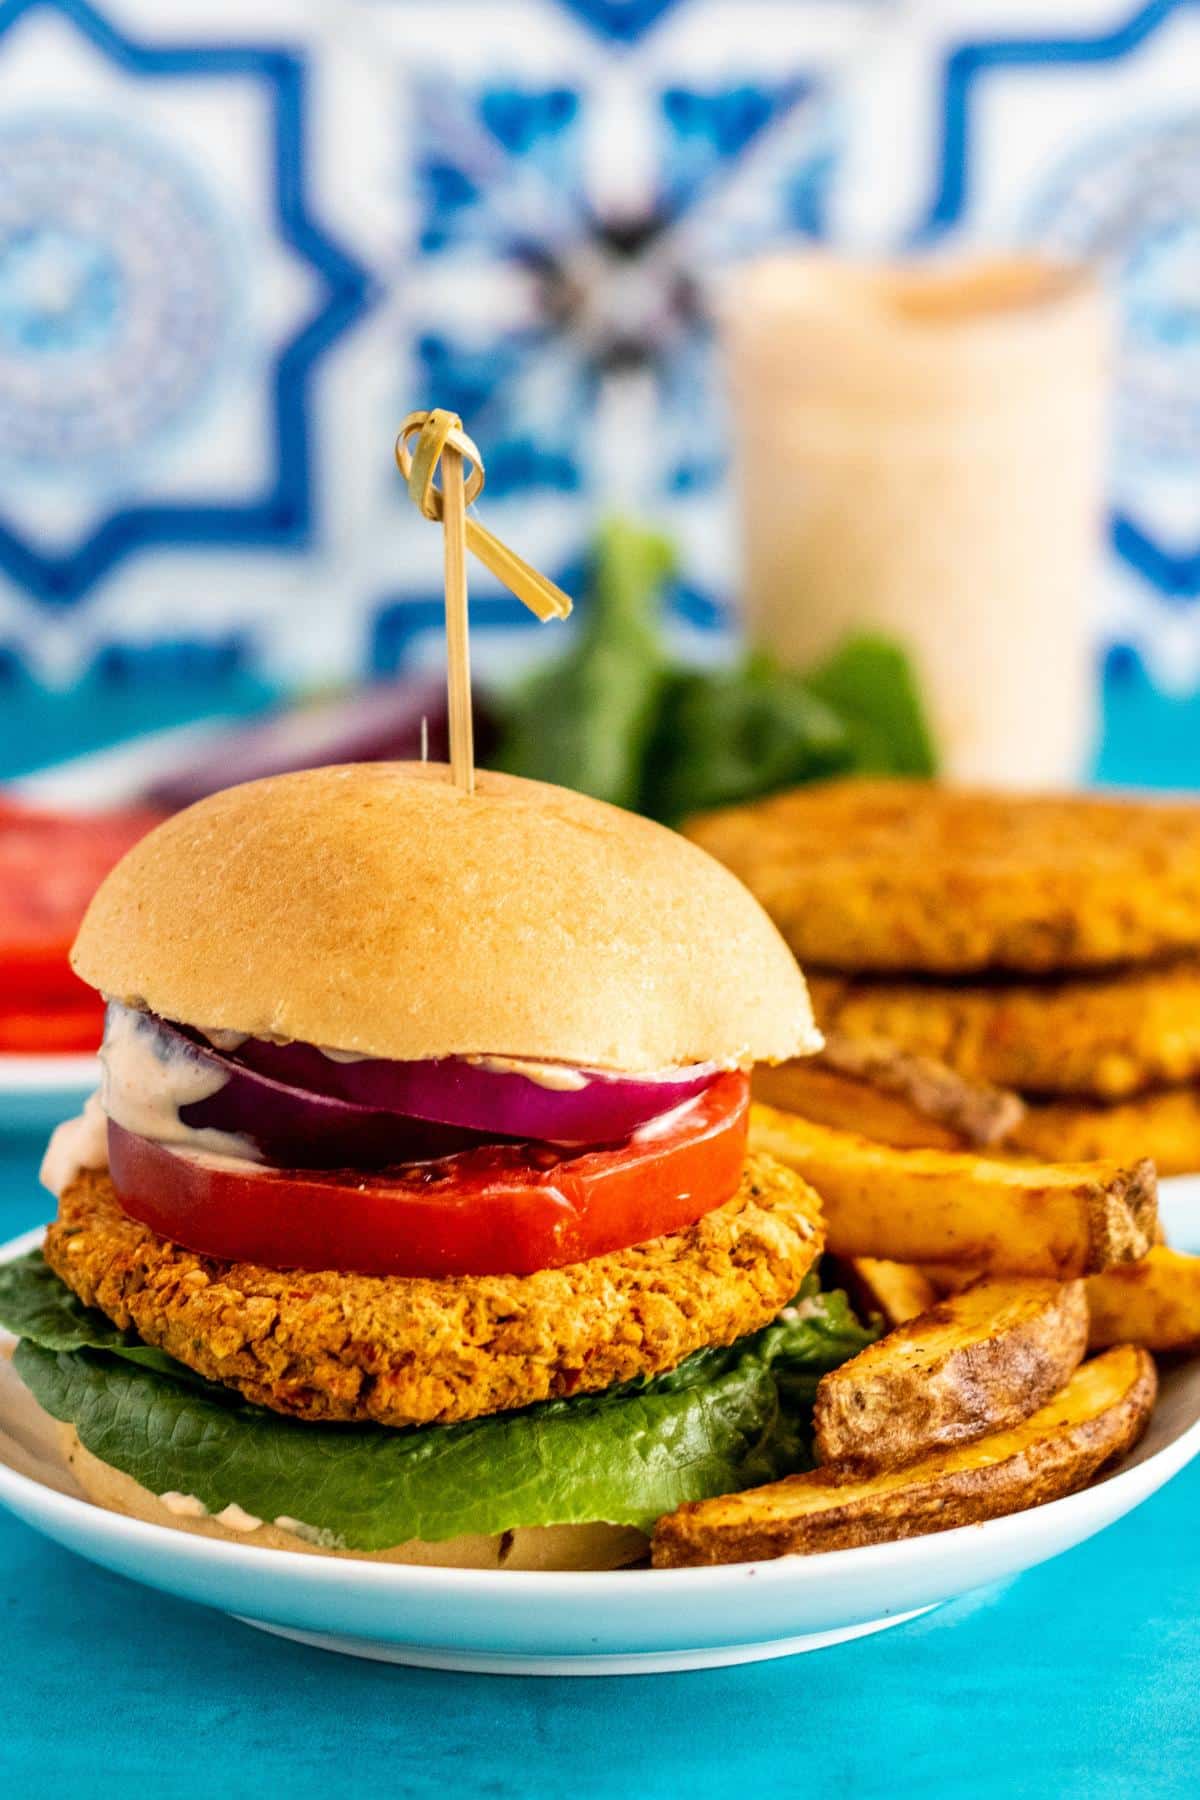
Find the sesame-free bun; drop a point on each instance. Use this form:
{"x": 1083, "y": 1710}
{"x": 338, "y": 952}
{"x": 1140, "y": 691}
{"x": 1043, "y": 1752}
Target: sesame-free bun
{"x": 376, "y": 908}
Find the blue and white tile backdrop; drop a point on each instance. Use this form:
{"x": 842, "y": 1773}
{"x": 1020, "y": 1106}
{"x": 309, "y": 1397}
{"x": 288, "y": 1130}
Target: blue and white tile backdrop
{"x": 240, "y": 238}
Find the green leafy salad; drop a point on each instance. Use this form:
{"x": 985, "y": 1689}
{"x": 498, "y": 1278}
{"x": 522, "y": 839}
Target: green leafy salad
{"x": 725, "y": 1419}
{"x": 616, "y": 717}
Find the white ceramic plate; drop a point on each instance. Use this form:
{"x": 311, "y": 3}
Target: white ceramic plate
{"x": 1179, "y": 1209}
{"x": 634, "y": 1621}
{"x": 37, "y": 1091}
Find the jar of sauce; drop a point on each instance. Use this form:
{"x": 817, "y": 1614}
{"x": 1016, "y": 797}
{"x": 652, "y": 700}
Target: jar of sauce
{"x": 922, "y": 451}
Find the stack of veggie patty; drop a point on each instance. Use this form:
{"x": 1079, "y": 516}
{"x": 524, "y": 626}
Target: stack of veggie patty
{"x": 1049, "y": 945}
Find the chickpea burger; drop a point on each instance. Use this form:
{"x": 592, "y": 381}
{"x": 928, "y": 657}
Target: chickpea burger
{"x": 415, "y": 1217}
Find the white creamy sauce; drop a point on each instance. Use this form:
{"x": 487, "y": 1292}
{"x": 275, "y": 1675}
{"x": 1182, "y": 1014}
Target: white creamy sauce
{"x": 244, "y": 1163}
{"x": 148, "y": 1078}
{"x": 803, "y": 1309}
{"x": 563, "y": 1079}
{"x": 184, "y": 1506}
{"x": 77, "y": 1144}
{"x": 320, "y": 1535}
{"x": 235, "y": 1518}
{"x": 190, "y": 1506}
{"x": 557, "y": 1076}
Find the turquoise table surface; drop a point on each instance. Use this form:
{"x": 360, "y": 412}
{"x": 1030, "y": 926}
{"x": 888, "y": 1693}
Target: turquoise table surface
{"x": 1083, "y": 1677}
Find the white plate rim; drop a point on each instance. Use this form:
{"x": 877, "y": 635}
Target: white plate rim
{"x": 570, "y": 1587}
{"x": 53, "y": 1073}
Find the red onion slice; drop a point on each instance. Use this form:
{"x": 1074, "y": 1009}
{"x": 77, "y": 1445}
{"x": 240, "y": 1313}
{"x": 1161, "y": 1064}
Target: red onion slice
{"x": 495, "y": 1102}
{"x": 300, "y": 1130}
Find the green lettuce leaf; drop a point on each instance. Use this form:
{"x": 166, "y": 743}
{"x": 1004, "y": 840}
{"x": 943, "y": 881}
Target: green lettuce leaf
{"x": 584, "y": 720}
{"x": 725, "y": 736}
{"x": 870, "y": 684}
{"x": 723, "y": 1420}
{"x": 619, "y": 716}
{"x": 35, "y": 1304}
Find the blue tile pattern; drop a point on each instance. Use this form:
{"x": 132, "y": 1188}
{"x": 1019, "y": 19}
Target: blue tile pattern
{"x": 143, "y": 214}
{"x": 603, "y": 294}
{"x": 622, "y": 20}
{"x": 111, "y": 256}
{"x": 1122, "y": 194}
{"x": 525, "y": 212}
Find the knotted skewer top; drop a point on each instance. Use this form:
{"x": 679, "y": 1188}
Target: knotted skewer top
{"x": 435, "y": 431}
{"x": 440, "y": 438}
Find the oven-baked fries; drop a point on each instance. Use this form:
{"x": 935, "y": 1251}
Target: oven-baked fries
{"x": 1155, "y": 1302}
{"x": 978, "y": 1362}
{"x": 828, "y": 1096}
{"x": 1098, "y": 1416}
{"x": 997, "y": 1095}
{"x": 999, "y": 1217}
{"x": 973, "y": 1112}
{"x": 889, "y": 1291}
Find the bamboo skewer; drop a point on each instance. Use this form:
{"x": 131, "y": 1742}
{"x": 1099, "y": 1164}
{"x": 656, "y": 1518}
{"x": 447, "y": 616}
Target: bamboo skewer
{"x": 458, "y": 640}
{"x": 440, "y": 438}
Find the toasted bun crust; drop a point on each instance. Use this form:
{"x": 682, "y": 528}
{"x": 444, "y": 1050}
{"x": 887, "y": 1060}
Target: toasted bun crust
{"x": 595, "y": 1546}
{"x": 376, "y": 908}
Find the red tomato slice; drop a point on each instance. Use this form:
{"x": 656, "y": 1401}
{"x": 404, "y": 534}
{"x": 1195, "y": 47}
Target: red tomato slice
{"x": 38, "y": 975}
{"x": 506, "y": 1209}
{"x": 60, "y": 1032}
{"x": 50, "y": 866}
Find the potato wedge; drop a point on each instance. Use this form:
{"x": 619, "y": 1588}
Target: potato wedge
{"x": 979, "y": 1362}
{"x": 1155, "y": 1302}
{"x": 891, "y": 1291}
{"x": 1099, "y": 1415}
{"x": 828, "y": 1097}
{"x": 974, "y": 1112}
{"x": 872, "y": 1086}
{"x": 1004, "y": 1218}
{"x": 952, "y": 1278}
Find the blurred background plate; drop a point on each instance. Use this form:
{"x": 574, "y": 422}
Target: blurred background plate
{"x": 1179, "y": 1209}
{"x": 37, "y": 1091}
